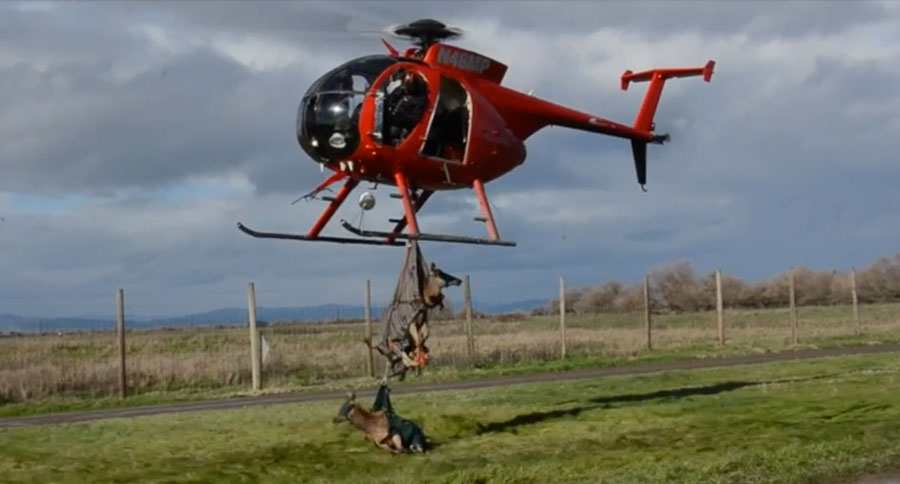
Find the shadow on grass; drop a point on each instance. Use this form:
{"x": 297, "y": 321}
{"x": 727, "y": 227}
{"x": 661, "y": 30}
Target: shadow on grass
{"x": 606, "y": 402}
{"x": 536, "y": 417}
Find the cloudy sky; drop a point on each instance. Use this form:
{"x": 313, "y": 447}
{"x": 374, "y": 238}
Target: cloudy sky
{"x": 133, "y": 136}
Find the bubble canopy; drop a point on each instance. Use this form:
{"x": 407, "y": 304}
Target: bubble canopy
{"x": 328, "y": 116}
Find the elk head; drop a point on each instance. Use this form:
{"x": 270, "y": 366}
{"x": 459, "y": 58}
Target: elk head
{"x": 344, "y": 413}
{"x": 436, "y": 281}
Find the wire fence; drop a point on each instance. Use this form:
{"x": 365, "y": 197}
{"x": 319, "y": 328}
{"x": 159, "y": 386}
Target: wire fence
{"x": 210, "y": 358}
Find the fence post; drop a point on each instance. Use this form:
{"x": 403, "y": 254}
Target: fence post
{"x": 720, "y": 316}
{"x": 562, "y": 317}
{"x": 855, "y": 302}
{"x": 647, "y": 322}
{"x": 254, "y": 336}
{"x": 470, "y": 334}
{"x": 793, "y": 306}
{"x": 120, "y": 330}
{"x": 370, "y": 363}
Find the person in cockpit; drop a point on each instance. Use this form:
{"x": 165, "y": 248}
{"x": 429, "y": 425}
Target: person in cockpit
{"x": 406, "y": 105}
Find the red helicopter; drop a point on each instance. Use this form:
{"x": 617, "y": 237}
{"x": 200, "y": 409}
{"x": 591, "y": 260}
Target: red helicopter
{"x": 436, "y": 118}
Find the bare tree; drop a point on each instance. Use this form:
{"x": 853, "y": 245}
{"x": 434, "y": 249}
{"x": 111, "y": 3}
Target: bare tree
{"x": 678, "y": 287}
{"x": 880, "y": 282}
{"x": 599, "y": 299}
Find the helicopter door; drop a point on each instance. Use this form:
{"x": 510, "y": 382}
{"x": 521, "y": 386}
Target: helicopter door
{"x": 449, "y": 130}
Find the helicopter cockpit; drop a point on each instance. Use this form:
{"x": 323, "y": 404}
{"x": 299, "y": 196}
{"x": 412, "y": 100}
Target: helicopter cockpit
{"x": 400, "y": 103}
{"x": 328, "y": 116}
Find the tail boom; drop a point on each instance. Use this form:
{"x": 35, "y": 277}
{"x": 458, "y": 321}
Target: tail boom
{"x": 526, "y": 114}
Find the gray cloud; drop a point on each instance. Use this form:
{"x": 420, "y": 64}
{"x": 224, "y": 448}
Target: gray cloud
{"x": 786, "y": 158}
{"x": 787, "y": 19}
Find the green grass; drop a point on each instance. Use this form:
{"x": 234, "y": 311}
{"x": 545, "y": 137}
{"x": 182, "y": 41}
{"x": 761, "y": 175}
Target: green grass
{"x": 438, "y": 374}
{"x": 817, "y": 421}
{"x": 71, "y": 404}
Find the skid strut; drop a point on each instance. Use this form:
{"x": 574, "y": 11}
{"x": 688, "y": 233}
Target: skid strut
{"x": 408, "y": 210}
{"x": 486, "y": 210}
{"x": 412, "y": 203}
{"x": 418, "y": 201}
{"x": 313, "y": 234}
{"x": 332, "y": 207}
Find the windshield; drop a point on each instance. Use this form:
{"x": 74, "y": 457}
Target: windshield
{"x": 328, "y": 117}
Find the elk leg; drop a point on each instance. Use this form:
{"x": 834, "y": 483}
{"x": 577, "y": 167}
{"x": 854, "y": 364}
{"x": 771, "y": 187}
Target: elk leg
{"x": 414, "y": 334}
{"x": 392, "y": 443}
{"x": 397, "y": 443}
{"x": 418, "y": 331}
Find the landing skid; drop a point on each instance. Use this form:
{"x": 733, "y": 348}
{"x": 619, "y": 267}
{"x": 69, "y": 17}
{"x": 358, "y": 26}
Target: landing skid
{"x": 430, "y": 237}
{"x": 412, "y": 201}
{"x": 317, "y": 238}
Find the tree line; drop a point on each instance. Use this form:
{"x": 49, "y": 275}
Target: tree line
{"x": 678, "y": 287}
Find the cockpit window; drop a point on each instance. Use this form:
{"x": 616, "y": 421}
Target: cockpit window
{"x": 400, "y": 103}
{"x": 328, "y": 116}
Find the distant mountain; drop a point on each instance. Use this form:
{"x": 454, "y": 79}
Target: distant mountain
{"x": 230, "y": 316}
{"x": 322, "y": 312}
{"x": 12, "y": 323}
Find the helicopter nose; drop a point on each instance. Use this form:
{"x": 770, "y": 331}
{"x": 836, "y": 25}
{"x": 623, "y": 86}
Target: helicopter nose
{"x": 325, "y": 129}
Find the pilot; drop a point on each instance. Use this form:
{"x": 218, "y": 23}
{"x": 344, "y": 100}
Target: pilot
{"x": 406, "y": 104}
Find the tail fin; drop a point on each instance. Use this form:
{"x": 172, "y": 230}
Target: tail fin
{"x": 644, "y": 120}
{"x": 639, "y": 150}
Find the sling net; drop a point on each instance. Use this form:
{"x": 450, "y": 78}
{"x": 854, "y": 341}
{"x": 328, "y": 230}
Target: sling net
{"x": 407, "y": 301}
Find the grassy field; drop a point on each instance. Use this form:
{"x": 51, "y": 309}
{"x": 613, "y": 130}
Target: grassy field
{"x": 54, "y": 372}
{"x": 819, "y": 421}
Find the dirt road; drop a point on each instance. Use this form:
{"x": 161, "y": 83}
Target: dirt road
{"x": 222, "y": 404}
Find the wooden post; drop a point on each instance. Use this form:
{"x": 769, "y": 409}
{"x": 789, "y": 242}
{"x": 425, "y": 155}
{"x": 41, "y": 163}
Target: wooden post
{"x": 370, "y": 363}
{"x": 720, "y": 317}
{"x": 255, "y": 355}
{"x": 120, "y": 330}
{"x": 470, "y": 334}
{"x": 855, "y": 302}
{"x": 562, "y": 317}
{"x": 793, "y": 306}
{"x": 647, "y": 322}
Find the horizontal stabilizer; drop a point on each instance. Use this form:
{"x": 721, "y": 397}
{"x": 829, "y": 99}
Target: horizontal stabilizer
{"x": 705, "y": 71}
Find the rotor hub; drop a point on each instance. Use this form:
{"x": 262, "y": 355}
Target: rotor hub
{"x": 426, "y": 32}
